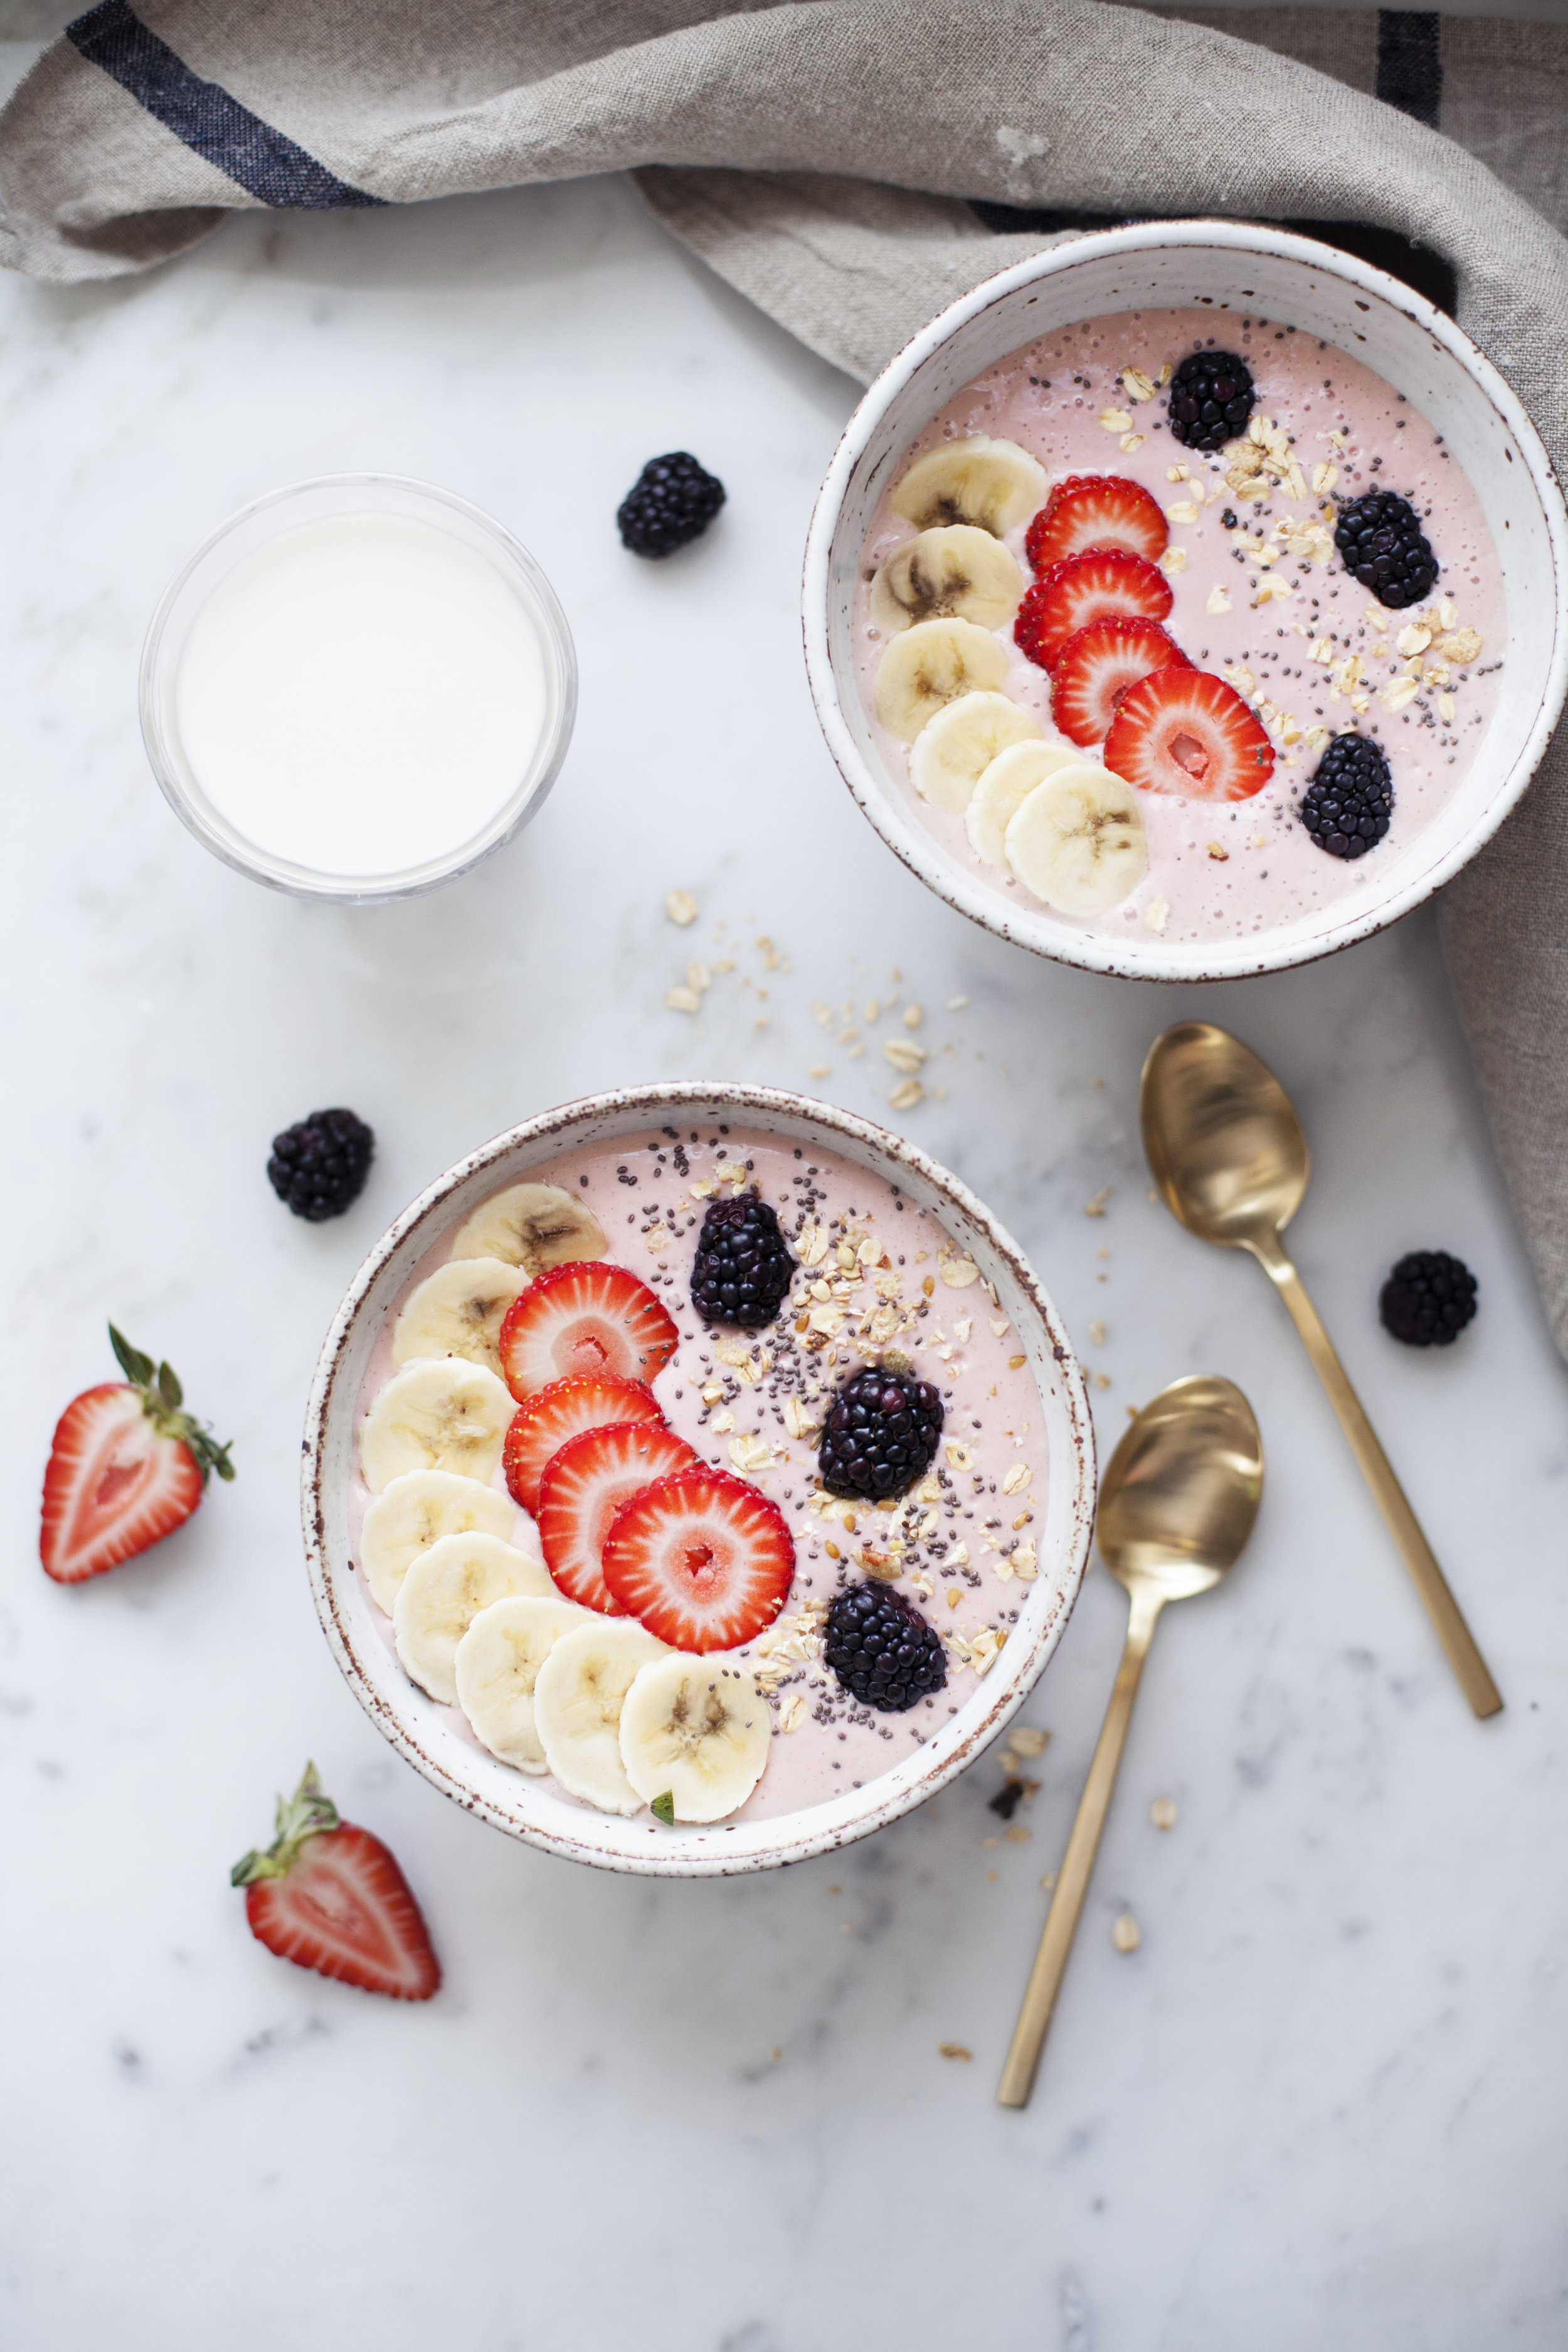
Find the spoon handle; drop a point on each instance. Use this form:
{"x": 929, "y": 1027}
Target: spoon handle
{"x": 1072, "y": 1880}
{"x": 1466, "y": 1661}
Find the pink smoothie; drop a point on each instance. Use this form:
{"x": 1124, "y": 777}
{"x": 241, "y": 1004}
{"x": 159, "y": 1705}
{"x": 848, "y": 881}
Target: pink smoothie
{"x": 1259, "y": 594}
{"x": 874, "y": 1272}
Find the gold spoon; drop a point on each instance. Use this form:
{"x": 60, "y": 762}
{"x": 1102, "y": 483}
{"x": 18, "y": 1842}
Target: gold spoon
{"x": 1176, "y": 1507}
{"x": 1227, "y": 1153}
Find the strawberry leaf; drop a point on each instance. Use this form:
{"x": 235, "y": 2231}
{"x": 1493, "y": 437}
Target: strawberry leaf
{"x": 137, "y": 1368}
{"x": 300, "y": 1818}
{"x": 169, "y": 1388}
{"x": 663, "y": 1808}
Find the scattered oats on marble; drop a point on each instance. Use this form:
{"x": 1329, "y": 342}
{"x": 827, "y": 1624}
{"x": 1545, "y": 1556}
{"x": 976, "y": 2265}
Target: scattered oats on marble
{"x": 906, "y": 1095}
{"x": 1163, "y": 1812}
{"x": 953, "y": 2049}
{"x": 1098, "y": 1333}
{"x": 1125, "y": 1932}
{"x": 1027, "y": 1741}
{"x": 903, "y": 1054}
{"x": 680, "y": 907}
{"x": 682, "y": 1000}
{"x": 1096, "y": 1208}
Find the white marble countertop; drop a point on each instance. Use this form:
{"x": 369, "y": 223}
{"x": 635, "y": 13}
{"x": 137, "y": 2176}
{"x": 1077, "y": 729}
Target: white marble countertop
{"x": 1321, "y": 2103}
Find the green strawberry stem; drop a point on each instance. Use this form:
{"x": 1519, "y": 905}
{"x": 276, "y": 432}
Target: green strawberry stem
{"x": 663, "y": 1808}
{"x": 300, "y": 1818}
{"x": 162, "y": 1398}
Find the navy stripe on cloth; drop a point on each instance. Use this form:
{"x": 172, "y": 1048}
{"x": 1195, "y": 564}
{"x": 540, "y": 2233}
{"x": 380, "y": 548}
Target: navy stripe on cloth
{"x": 1410, "y": 62}
{"x": 215, "y": 126}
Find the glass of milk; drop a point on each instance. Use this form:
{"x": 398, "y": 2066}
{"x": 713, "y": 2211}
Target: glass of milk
{"x": 357, "y": 687}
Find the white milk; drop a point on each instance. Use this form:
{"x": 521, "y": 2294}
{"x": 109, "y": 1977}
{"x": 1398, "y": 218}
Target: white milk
{"x": 361, "y": 696}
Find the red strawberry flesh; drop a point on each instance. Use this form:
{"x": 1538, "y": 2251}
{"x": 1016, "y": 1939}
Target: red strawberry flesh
{"x": 114, "y": 1484}
{"x": 704, "y": 1560}
{"x": 1096, "y": 667}
{"x": 541, "y": 1427}
{"x": 1097, "y": 587}
{"x": 1188, "y": 732}
{"x": 331, "y": 1897}
{"x": 1096, "y": 510}
{"x": 591, "y": 1479}
{"x": 585, "y": 1317}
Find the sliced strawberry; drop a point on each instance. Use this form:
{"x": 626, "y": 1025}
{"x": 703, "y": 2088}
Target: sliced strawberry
{"x": 331, "y": 1897}
{"x": 126, "y": 1468}
{"x": 1085, "y": 588}
{"x": 583, "y": 1487}
{"x": 1186, "y": 731}
{"x": 703, "y": 1558}
{"x": 562, "y": 1410}
{"x": 1096, "y": 666}
{"x": 585, "y": 1317}
{"x": 1096, "y": 510}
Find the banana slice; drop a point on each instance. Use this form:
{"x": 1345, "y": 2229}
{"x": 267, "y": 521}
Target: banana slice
{"x": 952, "y": 750}
{"x": 993, "y": 483}
{"x": 700, "y": 1730}
{"x": 458, "y": 1311}
{"x": 451, "y": 1415}
{"x": 415, "y": 1511}
{"x": 577, "y": 1708}
{"x": 953, "y": 572}
{"x": 1077, "y": 841}
{"x": 1003, "y": 788}
{"x": 532, "y": 1226}
{"x": 932, "y": 664}
{"x": 444, "y": 1592}
{"x": 497, "y": 1666}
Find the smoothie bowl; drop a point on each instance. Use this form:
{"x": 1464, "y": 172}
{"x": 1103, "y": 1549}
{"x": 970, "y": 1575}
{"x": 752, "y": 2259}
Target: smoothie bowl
{"x": 697, "y": 1478}
{"x": 1187, "y": 602}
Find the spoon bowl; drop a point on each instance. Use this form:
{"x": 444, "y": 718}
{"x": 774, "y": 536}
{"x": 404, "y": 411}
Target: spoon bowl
{"x": 1181, "y": 1492}
{"x": 1222, "y": 1137}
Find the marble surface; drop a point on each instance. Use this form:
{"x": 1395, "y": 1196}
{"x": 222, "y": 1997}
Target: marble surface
{"x": 1320, "y": 2102}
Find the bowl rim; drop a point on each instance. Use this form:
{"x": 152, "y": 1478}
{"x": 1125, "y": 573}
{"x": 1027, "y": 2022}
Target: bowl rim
{"x": 558, "y": 658}
{"x": 1012, "y": 1681}
{"x": 916, "y": 850}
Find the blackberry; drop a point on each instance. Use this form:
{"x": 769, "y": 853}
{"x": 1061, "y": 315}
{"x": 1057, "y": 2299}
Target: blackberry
{"x": 671, "y": 501}
{"x": 1212, "y": 397}
{"x": 880, "y": 1434}
{"x": 1347, "y": 806}
{"x": 882, "y": 1650}
{"x": 319, "y": 1168}
{"x": 1384, "y": 547}
{"x": 742, "y": 1270}
{"x": 1427, "y": 1299}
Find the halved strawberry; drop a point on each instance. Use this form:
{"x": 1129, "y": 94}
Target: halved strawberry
{"x": 562, "y": 1410}
{"x": 331, "y": 1897}
{"x": 1096, "y": 666}
{"x": 1084, "y": 588}
{"x": 1096, "y": 510}
{"x": 126, "y": 1468}
{"x": 583, "y": 1487}
{"x": 1186, "y": 731}
{"x": 585, "y": 1317}
{"x": 703, "y": 1558}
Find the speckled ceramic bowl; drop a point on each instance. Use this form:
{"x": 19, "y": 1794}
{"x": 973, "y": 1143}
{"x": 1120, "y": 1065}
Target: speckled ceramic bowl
{"x": 435, "y": 1739}
{"x": 1230, "y": 266}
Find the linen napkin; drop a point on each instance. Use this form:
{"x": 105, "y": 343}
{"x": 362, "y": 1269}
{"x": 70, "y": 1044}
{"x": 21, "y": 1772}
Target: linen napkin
{"x": 853, "y": 165}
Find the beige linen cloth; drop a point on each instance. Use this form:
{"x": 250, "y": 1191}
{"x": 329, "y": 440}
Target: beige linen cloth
{"x": 853, "y": 165}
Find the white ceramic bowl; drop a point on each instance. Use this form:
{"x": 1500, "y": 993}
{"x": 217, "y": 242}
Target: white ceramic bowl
{"x": 1170, "y": 265}
{"x": 436, "y": 1740}
{"x": 332, "y": 497}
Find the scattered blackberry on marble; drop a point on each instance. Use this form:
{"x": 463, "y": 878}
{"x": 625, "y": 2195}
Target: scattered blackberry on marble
{"x": 1211, "y": 399}
{"x": 319, "y": 1167}
{"x": 1427, "y": 1299}
{"x": 672, "y": 501}
{"x": 1347, "y": 806}
{"x": 742, "y": 1270}
{"x": 880, "y": 1434}
{"x": 1384, "y": 547}
{"x": 882, "y": 1650}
